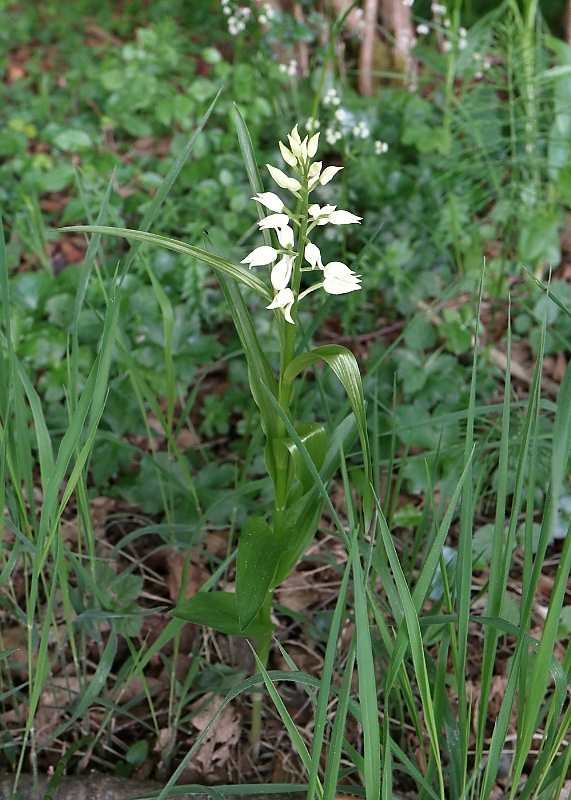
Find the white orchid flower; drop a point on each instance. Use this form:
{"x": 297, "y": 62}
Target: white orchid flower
{"x": 274, "y": 221}
{"x": 285, "y": 237}
{"x": 281, "y": 272}
{"x": 325, "y": 214}
{"x": 328, "y": 174}
{"x": 320, "y": 214}
{"x": 339, "y": 279}
{"x": 260, "y": 256}
{"x": 282, "y": 180}
{"x": 270, "y": 200}
{"x": 341, "y": 217}
{"x": 312, "y": 255}
{"x": 284, "y": 299}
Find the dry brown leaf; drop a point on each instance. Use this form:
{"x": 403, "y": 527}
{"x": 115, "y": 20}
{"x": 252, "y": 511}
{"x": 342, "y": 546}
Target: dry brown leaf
{"x": 296, "y": 592}
{"x": 216, "y": 749}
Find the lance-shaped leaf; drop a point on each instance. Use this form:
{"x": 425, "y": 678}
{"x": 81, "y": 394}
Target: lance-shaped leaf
{"x": 344, "y": 365}
{"x": 230, "y": 269}
{"x": 259, "y": 552}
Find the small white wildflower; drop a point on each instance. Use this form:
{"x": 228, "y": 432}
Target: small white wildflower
{"x": 381, "y": 147}
{"x": 339, "y": 279}
{"x": 462, "y": 44}
{"x": 283, "y": 68}
{"x": 446, "y": 23}
{"x": 438, "y": 9}
{"x": 260, "y": 256}
{"x": 292, "y": 68}
{"x": 331, "y": 98}
{"x": 422, "y": 29}
{"x": 332, "y": 136}
{"x": 462, "y": 32}
{"x": 281, "y": 272}
{"x": 360, "y": 131}
{"x": 262, "y": 19}
{"x": 312, "y": 124}
{"x": 284, "y": 299}
{"x": 340, "y": 114}
{"x": 446, "y": 46}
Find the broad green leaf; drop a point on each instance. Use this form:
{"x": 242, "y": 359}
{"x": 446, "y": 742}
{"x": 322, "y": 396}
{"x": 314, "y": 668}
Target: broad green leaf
{"x": 218, "y": 610}
{"x": 230, "y": 269}
{"x": 259, "y": 552}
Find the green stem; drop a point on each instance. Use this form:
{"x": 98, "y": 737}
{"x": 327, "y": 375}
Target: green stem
{"x": 263, "y": 644}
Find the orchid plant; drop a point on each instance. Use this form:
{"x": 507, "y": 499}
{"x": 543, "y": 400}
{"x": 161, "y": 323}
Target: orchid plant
{"x": 301, "y": 458}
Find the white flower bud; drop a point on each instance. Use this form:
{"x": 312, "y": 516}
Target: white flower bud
{"x": 287, "y": 155}
{"x": 281, "y": 273}
{"x": 312, "y": 255}
{"x": 312, "y": 145}
{"x": 285, "y": 236}
{"x": 328, "y": 174}
{"x": 282, "y": 179}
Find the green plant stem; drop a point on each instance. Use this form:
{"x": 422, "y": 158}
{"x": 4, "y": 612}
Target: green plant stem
{"x": 263, "y": 644}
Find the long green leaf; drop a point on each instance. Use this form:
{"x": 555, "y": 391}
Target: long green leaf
{"x": 217, "y": 262}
